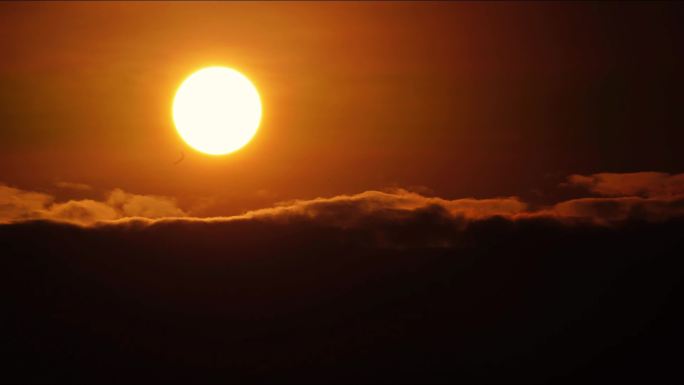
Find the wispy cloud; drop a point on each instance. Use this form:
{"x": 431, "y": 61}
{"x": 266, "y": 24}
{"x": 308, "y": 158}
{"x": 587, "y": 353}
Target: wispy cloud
{"x": 73, "y": 186}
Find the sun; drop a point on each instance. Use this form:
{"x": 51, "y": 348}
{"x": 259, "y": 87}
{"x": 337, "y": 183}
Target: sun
{"x": 217, "y": 110}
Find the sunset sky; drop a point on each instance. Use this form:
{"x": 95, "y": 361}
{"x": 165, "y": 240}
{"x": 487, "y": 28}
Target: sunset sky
{"x": 452, "y": 99}
{"x": 438, "y": 192}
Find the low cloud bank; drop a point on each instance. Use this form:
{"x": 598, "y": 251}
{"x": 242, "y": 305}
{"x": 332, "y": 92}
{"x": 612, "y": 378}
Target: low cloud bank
{"x": 375, "y": 287}
{"x": 383, "y": 287}
{"x": 647, "y": 196}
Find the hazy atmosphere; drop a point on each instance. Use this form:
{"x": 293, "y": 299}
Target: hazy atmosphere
{"x": 327, "y": 192}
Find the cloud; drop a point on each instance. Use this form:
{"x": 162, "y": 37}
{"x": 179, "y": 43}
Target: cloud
{"x": 621, "y": 208}
{"x": 81, "y": 211}
{"x": 648, "y": 196}
{"x": 16, "y": 204}
{"x": 397, "y": 205}
{"x": 647, "y": 184}
{"x": 343, "y": 210}
{"x": 73, "y": 186}
{"x": 145, "y": 206}
{"x": 20, "y": 205}
{"x": 349, "y": 210}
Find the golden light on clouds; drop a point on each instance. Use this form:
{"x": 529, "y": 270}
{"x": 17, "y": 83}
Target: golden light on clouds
{"x": 217, "y": 110}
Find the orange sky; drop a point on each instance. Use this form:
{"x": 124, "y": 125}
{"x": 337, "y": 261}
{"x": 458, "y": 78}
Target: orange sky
{"x": 457, "y": 99}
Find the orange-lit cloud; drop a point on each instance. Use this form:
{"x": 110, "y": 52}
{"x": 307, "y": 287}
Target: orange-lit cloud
{"x": 349, "y": 209}
{"x": 18, "y": 205}
{"x": 146, "y": 206}
{"x": 645, "y": 196}
{"x": 80, "y": 211}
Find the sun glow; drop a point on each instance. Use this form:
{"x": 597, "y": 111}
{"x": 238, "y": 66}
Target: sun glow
{"x": 217, "y": 110}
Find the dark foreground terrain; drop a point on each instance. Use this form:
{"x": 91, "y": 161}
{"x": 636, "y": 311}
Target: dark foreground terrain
{"x": 421, "y": 300}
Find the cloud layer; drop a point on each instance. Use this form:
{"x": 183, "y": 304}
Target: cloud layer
{"x": 649, "y": 196}
{"x": 404, "y": 293}
{"x": 382, "y": 286}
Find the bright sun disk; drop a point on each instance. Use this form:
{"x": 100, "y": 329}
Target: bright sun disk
{"x": 217, "y": 110}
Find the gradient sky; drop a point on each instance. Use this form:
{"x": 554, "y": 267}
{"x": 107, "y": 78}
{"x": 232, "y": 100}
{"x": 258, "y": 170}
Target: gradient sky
{"x": 451, "y": 99}
{"x": 449, "y": 192}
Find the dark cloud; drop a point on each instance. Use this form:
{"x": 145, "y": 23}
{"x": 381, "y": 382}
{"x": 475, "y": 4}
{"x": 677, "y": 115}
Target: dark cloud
{"x": 651, "y": 196}
{"x": 382, "y": 286}
{"x": 400, "y": 296}
{"x": 618, "y": 209}
{"x": 648, "y": 184}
